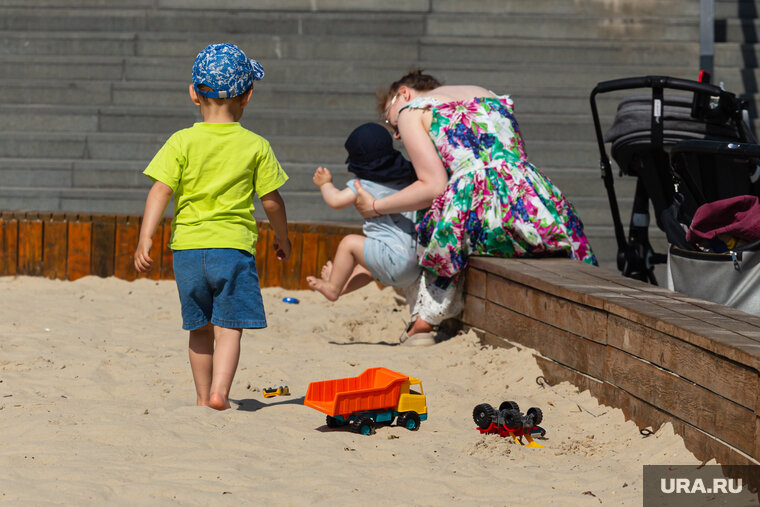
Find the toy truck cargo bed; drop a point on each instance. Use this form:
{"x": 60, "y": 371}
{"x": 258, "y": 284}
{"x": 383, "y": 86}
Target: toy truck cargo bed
{"x": 374, "y": 389}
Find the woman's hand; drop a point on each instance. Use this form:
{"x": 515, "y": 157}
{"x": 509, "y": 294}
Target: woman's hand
{"x": 365, "y": 202}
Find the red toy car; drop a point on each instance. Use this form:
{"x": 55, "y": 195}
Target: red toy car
{"x": 508, "y": 421}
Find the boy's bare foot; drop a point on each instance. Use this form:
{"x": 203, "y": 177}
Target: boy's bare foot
{"x": 324, "y": 287}
{"x": 327, "y": 270}
{"x": 219, "y": 402}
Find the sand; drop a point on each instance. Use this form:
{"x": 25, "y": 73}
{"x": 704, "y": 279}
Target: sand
{"x": 96, "y": 406}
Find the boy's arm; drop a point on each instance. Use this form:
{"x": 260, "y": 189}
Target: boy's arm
{"x": 274, "y": 207}
{"x": 336, "y": 199}
{"x": 155, "y": 205}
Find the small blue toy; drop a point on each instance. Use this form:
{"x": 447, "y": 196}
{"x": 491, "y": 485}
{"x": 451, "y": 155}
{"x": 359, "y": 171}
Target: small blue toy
{"x": 293, "y": 301}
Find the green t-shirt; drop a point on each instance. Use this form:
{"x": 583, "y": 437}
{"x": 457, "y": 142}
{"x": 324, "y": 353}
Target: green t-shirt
{"x": 214, "y": 170}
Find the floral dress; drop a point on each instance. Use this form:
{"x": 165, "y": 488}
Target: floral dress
{"x": 496, "y": 202}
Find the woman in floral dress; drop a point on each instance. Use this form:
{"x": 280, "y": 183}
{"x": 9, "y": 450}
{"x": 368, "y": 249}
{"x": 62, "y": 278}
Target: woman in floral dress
{"x": 476, "y": 191}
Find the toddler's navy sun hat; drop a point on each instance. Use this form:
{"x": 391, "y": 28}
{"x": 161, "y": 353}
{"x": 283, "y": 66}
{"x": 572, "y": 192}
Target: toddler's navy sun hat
{"x": 226, "y": 70}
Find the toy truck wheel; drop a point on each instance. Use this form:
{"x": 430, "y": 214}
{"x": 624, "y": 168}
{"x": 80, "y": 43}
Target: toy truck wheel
{"x": 509, "y": 405}
{"x": 538, "y": 416}
{"x": 332, "y": 422}
{"x": 511, "y": 418}
{"x": 363, "y": 425}
{"x": 409, "y": 420}
{"x": 483, "y": 415}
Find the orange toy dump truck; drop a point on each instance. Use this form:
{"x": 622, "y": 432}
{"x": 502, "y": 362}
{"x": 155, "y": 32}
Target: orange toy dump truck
{"x": 377, "y": 395}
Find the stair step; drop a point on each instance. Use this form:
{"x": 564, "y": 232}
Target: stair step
{"x": 264, "y": 121}
{"x": 334, "y": 97}
{"x": 235, "y": 5}
{"x": 510, "y": 49}
{"x": 185, "y": 45}
{"x": 567, "y": 26}
{"x": 227, "y": 21}
{"x": 311, "y": 149}
{"x": 553, "y": 7}
{"x": 329, "y": 72}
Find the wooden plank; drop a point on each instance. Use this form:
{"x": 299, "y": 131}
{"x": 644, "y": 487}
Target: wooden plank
{"x": 579, "y": 353}
{"x": 167, "y": 257}
{"x": 697, "y": 331}
{"x": 475, "y": 283}
{"x": 555, "y": 373}
{"x": 291, "y": 268}
{"x": 103, "y": 245}
{"x": 711, "y": 371}
{"x": 55, "y": 243}
{"x": 717, "y": 416}
{"x": 8, "y": 245}
{"x": 645, "y": 415}
{"x": 474, "y": 311}
{"x": 532, "y": 275}
{"x": 323, "y": 254}
{"x": 590, "y": 323}
{"x": 309, "y": 254}
{"x": 127, "y": 234}
{"x": 79, "y": 248}
{"x": 30, "y": 246}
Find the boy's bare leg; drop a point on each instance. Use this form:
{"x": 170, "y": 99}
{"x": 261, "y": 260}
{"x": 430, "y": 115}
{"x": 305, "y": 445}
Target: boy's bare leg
{"x": 201, "y": 350}
{"x": 226, "y": 356}
{"x": 358, "y": 279}
{"x": 350, "y": 252}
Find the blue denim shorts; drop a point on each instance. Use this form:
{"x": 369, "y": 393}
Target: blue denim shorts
{"x": 218, "y": 285}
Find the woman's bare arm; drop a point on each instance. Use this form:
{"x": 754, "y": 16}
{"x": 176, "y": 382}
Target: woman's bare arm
{"x": 431, "y": 175}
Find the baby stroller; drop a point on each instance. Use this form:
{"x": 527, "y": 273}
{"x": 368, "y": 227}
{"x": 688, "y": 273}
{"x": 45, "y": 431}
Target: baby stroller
{"x": 644, "y": 135}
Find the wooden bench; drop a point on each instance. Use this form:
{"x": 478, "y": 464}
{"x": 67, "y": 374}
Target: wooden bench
{"x": 658, "y": 355}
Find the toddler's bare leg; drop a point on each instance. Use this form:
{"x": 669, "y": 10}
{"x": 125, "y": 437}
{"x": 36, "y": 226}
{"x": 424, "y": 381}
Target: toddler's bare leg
{"x": 226, "y": 356}
{"x": 201, "y": 350}
{"x": 358, "y": 279}
{"x": 350, "y": 252}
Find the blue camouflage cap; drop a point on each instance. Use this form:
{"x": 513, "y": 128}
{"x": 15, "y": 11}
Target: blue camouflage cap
{"x": 226, "y": 70}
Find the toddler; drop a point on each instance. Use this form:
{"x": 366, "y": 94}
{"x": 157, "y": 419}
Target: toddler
{"x": 387, "y": 250}
{"x": 213, "y": 169}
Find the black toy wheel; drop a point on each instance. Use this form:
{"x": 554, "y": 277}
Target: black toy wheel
{"x": 332, "y": 422}
{"x": 509, "y": 405}
{"x": 483, "y": 415}
{"x": 511, "y": 418}
{"x": 409, "y": 420}
{"x": 538, "y": 416}
{"x": 363, "y": 425}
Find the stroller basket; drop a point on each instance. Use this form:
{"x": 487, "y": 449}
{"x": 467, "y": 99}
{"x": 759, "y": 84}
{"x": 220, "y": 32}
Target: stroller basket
{"x": 645, "y": 128}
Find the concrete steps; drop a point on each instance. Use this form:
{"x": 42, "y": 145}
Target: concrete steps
{"x": 95, "y": 87}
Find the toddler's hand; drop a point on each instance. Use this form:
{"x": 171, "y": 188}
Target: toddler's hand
{"x": 321, "y": 176}
{"x": 143, "y": 262}
{"x": 282, "y": 247}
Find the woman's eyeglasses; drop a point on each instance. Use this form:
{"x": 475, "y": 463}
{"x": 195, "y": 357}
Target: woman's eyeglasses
{"x": 385, "y": 113}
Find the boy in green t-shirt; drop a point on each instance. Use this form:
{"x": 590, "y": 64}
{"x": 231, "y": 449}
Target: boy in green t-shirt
{"x": 213, "y": 169}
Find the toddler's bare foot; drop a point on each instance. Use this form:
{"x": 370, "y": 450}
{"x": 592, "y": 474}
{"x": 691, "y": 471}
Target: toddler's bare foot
{"x": 219, "y": 402}
{"x": 327, "y": 270}
{"x": 324, "y": 287}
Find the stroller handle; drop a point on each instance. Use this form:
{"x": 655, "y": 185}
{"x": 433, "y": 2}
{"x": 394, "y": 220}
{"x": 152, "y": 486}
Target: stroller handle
{"x": 657, "y": 81}
{"x": 716, "y": 148}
